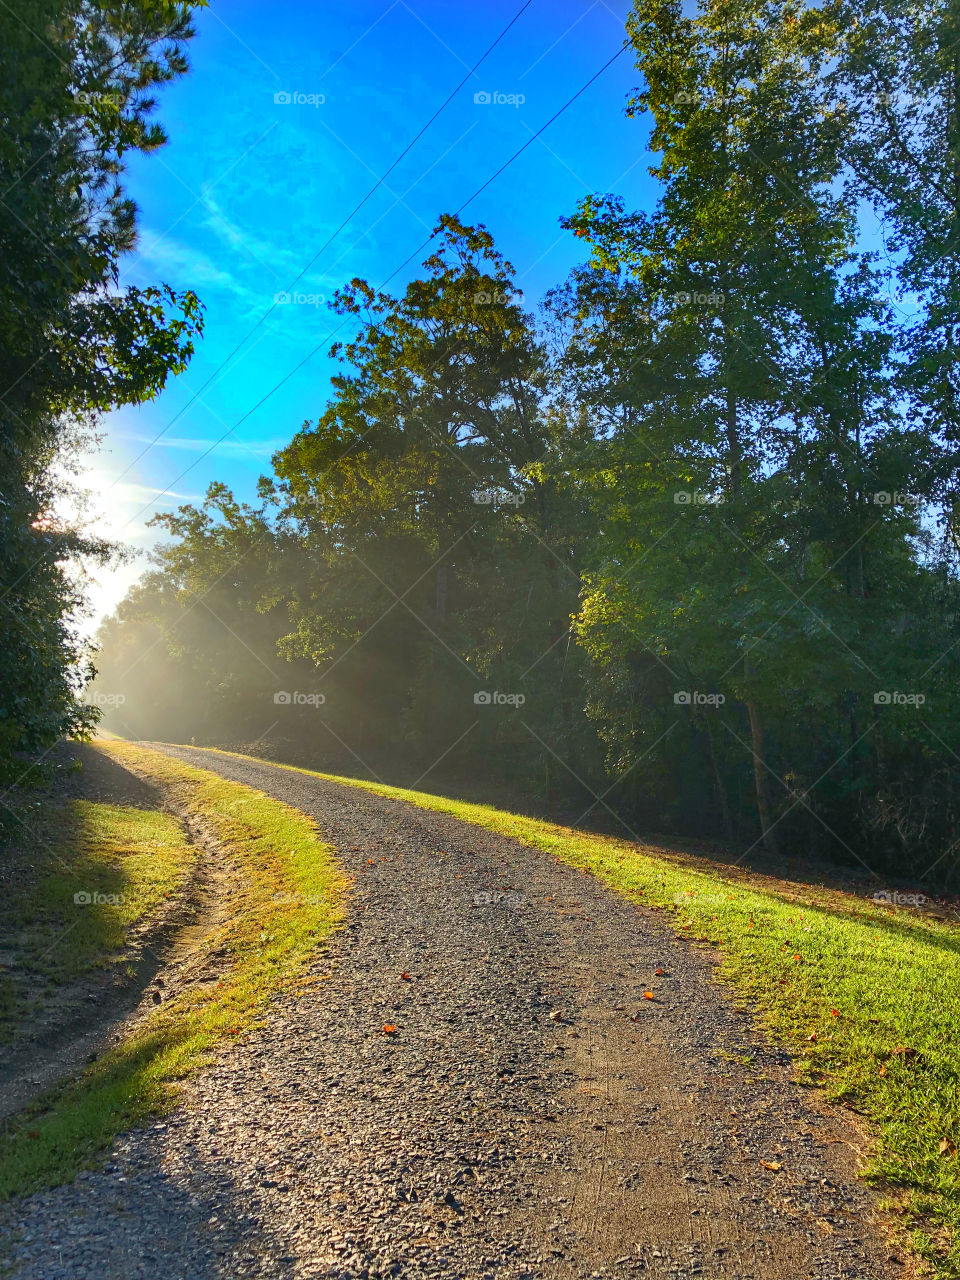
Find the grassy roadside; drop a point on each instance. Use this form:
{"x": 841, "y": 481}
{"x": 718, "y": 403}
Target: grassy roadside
{"x": 286, "y": 897}
{"x": 121, "y": 863}
{"x": 98, "y": 870}
{"x": 866, "y": 996}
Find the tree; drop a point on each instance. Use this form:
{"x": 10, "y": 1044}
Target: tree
{"x": 74, "y": 100}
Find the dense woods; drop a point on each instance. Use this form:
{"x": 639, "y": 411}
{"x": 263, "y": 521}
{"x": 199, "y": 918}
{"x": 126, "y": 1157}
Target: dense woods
{"x": 676, "y": 548}
{"x": 73, "y": 344}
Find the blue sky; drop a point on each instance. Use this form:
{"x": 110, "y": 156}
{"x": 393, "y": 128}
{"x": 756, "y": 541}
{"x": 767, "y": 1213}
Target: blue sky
{"x": 251, "y": 185}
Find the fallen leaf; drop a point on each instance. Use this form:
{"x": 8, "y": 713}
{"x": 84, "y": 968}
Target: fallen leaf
{"x": 905, "y": 1051}
{"x": 648, "y": 995}
{"x": 659, "y": 973}
{"x": 389, "y": 1028}
{"x": 770, "y": 1164}
{"x": 405, "y": 977}
{"x": 834, "y": 1013}
{"x": 812, "y": 1035}
{"x": 947, "y": 1147}
{"x": 882, "y": 1071}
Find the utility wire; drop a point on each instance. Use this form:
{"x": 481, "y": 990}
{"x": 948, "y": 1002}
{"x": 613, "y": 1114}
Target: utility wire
{"x": 310, "y": 354}
{"x": 326, "y": 244}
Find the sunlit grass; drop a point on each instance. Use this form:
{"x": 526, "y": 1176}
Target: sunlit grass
{"x": 285, "y": 899}
{"x": 116, "y": 865}
{"x": 868, "y": 998}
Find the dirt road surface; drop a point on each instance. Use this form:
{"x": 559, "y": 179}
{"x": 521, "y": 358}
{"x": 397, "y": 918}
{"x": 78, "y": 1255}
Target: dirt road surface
{"x": 531, "y": 1115}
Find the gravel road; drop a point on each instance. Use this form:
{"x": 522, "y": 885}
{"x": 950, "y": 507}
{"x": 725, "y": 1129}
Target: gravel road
{"x": 532, "y": 1115}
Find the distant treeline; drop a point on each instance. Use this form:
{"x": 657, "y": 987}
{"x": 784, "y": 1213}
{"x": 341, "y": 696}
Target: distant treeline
{"x": 682, "y": 545}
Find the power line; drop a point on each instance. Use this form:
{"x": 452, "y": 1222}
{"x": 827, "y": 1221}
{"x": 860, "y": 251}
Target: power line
{"x": 330, "y": 239}
{"x": 332, "y": 333}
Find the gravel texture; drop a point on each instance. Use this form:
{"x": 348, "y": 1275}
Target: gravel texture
{"x": 531, "y": 1115}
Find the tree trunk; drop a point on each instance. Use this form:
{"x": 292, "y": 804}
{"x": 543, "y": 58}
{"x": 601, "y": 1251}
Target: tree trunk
{"x": 760, "y": 782}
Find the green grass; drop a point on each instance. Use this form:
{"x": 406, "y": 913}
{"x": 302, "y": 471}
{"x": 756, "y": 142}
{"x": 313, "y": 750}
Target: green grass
{"x": 92, "y": 873}
{"x": 878, "y": 988}
{"x": 122, "y": 862}
{"x": 286, "y": 898}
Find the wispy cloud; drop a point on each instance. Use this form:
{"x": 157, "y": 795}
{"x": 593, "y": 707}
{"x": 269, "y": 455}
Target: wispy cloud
{"x": 199, "y": 444}
{"x": 172, "y": 258}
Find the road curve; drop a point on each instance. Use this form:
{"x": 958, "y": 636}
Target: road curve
{"x": 532, "y": 1115}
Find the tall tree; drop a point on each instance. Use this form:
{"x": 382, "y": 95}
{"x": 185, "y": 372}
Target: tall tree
{"x": 75, "y": 85}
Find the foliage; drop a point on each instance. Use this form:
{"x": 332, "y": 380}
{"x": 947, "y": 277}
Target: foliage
{"x": 712, "y": 567}
{"x": 75, "y": 86}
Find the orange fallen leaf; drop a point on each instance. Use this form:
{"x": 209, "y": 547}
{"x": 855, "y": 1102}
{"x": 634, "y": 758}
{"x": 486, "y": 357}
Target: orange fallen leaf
{"x": 370, "y": 860}
{"x": 882, "y": 1071}
{"x": 812, "y": 1035}
{"x": 659, "y": 973}
{"x": 771, "y": 1164}
{"x": 405, "y": 977}
{"x": 905, "y": 1051}
{"x": 648, "y": 995}
{"x": 834, "y": 1013}
{"x": 389, "y": 1028}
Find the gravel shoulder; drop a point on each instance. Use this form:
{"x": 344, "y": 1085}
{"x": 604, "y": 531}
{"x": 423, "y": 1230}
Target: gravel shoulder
{"x": 532, "y": 1114}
